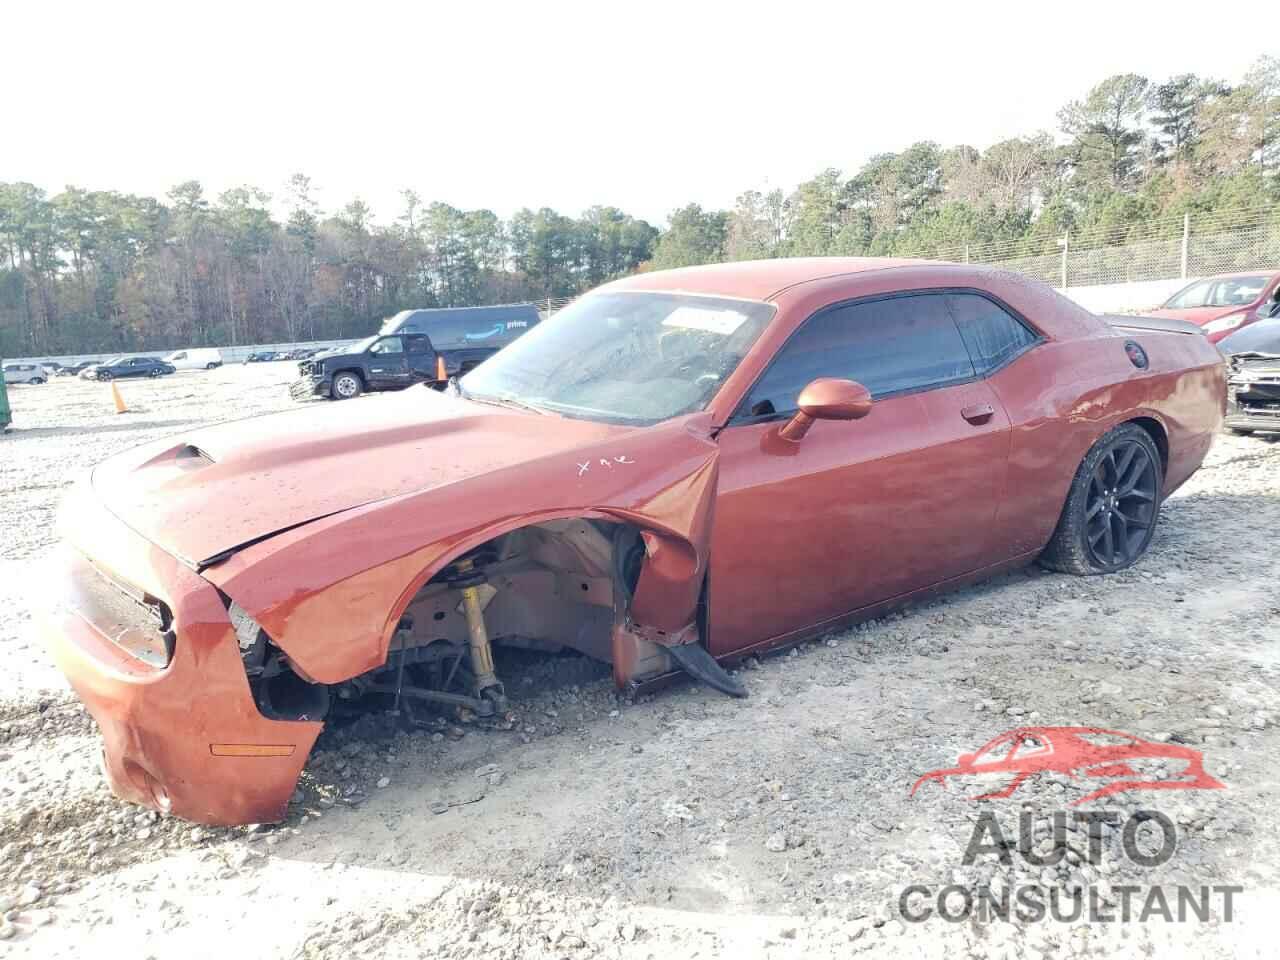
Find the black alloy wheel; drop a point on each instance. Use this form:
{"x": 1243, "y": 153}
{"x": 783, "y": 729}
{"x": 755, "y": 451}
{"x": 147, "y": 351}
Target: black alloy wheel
{"x": 1112, "y": 506}
{"x": 1121, "y": 504}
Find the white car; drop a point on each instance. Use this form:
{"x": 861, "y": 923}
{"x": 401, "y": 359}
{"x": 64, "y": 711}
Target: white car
{"x": 199, "y": 358}
{"x": 25, "y": 373}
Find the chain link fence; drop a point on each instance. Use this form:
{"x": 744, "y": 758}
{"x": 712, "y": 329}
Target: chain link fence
{"x": 1184, "y": 247}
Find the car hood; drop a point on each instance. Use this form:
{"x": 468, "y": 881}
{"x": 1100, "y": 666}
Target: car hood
{"x": 202, "y": 495}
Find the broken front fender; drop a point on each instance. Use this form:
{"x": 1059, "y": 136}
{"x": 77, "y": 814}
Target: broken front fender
{"x": 330, "y": 593}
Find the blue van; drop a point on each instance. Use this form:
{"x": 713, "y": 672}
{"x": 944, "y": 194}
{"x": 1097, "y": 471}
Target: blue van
{"x": 456, "y": 328}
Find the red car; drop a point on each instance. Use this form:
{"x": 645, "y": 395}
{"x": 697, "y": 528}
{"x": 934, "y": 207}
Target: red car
{"x": 1222, "y": 304}
{"x": 1080, "y": 752}
{"x": 667, "y": 475}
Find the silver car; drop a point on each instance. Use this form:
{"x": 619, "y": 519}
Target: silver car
{"x": 25, "y": 373}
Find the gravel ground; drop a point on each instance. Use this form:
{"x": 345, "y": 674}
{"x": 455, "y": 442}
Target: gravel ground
{"x": 683, "y": 824}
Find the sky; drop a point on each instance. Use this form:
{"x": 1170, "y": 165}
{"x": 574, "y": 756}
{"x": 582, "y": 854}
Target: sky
{"x": 646, "y": 107}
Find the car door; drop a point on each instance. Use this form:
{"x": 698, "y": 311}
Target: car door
{"x": 387, "y": 364}
{"x": 420, "y": 357}
{"x": 856, "y": 512}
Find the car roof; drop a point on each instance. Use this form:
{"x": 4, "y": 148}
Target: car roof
{"x": 755, "y": 279}
{"x": 1237, "y": 275}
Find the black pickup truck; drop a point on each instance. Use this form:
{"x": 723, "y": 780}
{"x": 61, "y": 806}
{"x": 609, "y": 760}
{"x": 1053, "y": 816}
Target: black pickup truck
{"x": 390, "y": 362}
{"x": 403, "y": 353}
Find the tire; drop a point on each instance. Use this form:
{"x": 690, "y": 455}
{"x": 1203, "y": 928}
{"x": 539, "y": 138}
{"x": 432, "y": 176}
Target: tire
{"x": 211, "y": 366}
{"x": 1112, "y": 506}
{"x": 37, "y": 380}
{"x": 155, "y": 373}
{"x": 346, "y": 385}
{"x": 103, "y": 375}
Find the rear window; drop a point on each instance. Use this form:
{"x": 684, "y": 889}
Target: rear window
{"x": 992, "y": 334}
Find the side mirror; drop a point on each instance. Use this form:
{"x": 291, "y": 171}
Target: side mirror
{"x": 1271, "y": 309}
{"x": 827, "y": 399}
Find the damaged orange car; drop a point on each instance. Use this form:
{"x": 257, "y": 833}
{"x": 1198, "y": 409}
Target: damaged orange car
{"x": 677, "y": 470}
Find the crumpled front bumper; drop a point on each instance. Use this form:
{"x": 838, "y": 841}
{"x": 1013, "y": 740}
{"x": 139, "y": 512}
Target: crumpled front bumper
{"x": 306, "y": 388}
{"x": 184, "y": 738}
{"x": 1253, "y": 405}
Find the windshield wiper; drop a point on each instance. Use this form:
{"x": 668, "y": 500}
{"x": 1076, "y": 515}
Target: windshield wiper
{"x": 505, "y": 402}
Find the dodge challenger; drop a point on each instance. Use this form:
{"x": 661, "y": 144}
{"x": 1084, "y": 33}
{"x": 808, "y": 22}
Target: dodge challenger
{"x": 678, "y": 470}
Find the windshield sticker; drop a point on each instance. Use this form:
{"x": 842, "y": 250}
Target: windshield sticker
{"x": 723, "y": 322}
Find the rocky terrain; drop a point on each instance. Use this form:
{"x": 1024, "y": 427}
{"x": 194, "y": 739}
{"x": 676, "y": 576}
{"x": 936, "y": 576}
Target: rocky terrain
{"x": 684, "y": 823}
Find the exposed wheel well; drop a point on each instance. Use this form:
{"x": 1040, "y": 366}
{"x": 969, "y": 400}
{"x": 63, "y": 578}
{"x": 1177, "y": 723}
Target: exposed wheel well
{"x": 560, "y": 587}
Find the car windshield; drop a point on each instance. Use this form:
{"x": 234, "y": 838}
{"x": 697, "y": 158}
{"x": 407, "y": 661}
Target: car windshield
{"x": 624, "y": 357}
{"x": 1222, "y": 292}
{"x": 112, "y": 362}
{"x": 365, "y": 344}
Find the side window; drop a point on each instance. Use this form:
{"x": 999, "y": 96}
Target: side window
{"x": 178, "y": 356}
{"x": 388, "y": 345}
{"x": 889, "y": 346}
{"x": 990, "y": 333}
{"x": 417, "y": 343}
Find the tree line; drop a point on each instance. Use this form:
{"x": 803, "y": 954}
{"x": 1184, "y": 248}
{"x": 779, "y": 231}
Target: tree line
{"x": 91, "y": 271}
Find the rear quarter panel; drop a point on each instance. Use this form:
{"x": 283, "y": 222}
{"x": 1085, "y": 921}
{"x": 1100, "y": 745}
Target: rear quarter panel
{"x": 1064, "y": 395}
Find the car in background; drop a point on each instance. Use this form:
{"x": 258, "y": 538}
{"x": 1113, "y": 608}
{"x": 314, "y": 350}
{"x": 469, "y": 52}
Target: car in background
{"x": 202, "y": 358}
{"x": 1262, "y": 337}
{"x": 1253, "y": 377}
{"x": 414, "y": 346}
{"x": 119, "y": 368}
{"x": 260, "y": 356}
{"x": 75, "y": 369}
{"x": 25, "y": 373}
{"x": 384, "y": 362}
{"x": 459, "y": 327}
{"x": 1222, "y": 304}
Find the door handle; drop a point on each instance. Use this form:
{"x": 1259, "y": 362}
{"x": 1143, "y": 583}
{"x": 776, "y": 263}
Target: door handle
{"x": 978, "y": 412}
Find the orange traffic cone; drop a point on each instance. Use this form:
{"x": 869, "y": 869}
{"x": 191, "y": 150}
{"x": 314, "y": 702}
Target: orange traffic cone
{"x": 119, "y": 400}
